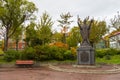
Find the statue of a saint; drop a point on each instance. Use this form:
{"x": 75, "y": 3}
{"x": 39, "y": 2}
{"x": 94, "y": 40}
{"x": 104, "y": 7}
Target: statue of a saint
{"x": 85, "y": 30}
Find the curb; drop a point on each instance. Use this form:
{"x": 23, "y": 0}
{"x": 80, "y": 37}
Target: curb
{"x": 111, "y": 71}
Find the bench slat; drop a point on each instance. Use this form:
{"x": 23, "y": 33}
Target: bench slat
{"x": 24, "y": 62}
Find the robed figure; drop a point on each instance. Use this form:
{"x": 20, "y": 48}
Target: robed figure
{"x": 85, "y": 31}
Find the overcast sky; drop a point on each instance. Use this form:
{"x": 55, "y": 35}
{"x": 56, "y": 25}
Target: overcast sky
{"x": 99, "y": 9}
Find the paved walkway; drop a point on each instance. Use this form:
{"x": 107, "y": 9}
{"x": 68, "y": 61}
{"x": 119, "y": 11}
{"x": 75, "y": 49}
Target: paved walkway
{"x": 45, "y": 73}
{"x": 58, "y": 72}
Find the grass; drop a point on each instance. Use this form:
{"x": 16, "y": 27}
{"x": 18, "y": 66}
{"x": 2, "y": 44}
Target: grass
{"x": 61, "y": 62}
{"x": 1, "y": 52}
{"x": 105, "y": 60}
{"x": 113, "y": 60}
{"x": 2, "y": 61}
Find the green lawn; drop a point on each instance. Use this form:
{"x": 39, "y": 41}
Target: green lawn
{"x": 2, "y": 61}
{"x": 113, "y": 60}
{"x": 1, "y": 52}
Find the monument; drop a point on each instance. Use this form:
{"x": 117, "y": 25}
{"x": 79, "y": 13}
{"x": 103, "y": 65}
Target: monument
{"x": 85, "y": 53}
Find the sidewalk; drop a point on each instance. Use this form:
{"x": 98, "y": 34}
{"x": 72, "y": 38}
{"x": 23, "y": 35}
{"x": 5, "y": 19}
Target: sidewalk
{"x": 45, "y": 73}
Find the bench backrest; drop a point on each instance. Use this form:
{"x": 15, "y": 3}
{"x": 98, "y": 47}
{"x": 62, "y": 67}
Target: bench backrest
{"x": 24, "y": 62}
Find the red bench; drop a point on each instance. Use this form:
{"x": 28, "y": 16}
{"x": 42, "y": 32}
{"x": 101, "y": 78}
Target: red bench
{"x": 25, "y": 63}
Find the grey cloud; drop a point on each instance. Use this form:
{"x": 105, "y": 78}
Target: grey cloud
{"x": 93, "y": 8}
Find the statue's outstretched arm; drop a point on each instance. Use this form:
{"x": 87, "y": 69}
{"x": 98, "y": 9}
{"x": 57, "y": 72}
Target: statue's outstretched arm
{"x": 91, "y": 23}
{"x": 79, "y": 24}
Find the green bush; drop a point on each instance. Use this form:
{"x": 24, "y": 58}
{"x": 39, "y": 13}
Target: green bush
{"x": 57, "y": 53}
{"x": 113, "y": 60}
{"x": 1, "y": 52}
{"x": 100, "y": 53}
{"x": 106, "y": 52}
{"x": 42, "y": 52}
{"x": 11, "y": 55}
{"x": 28, "y": 54}
{"x": 46, "y": 52}
{"x": 107, "y": 57}
{"x": 68, "y": 55}
{"x": 118, "y": 52}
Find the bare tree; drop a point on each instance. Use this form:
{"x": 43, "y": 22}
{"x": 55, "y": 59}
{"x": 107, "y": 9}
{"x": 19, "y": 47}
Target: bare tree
{"x": 64, "y": 23}
{"x": 115, "y": 22}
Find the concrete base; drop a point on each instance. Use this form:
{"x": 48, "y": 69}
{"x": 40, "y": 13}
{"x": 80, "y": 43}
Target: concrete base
{"x": 85, "y": 55}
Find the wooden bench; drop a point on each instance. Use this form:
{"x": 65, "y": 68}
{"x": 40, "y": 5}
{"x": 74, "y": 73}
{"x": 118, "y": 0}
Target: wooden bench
{"x": 24, "y": 63}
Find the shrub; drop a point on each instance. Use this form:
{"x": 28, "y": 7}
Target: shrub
{"x": 42, "y": 52}
{"x": 107, "y": 57}
{"x": 100, "y": 53}
{"x": 57, "y": 53}
{"x": 68, "y": 55}
{"x": 11, "y": 55}
{"x": 106, "y": 52}
{"x": 60, "y": 45}
{"x": 28, "y": 54}
{"x": 74, "y": 51}
{"x": 46, "y": 52}
{"x": 1, "y": 52}
{"x": 118, "y": 53}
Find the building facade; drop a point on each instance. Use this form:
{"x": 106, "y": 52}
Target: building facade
{"x": 21, "y": 43}
{"x": 115, "y": 40}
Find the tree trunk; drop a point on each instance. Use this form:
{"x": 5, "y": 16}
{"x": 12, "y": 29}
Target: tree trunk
{"x": 64, "y": 38}
{"x": 6, "y": 43}
{"x": 6, "y": 40}
{"x": 4, "y": 48}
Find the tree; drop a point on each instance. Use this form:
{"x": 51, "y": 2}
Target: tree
{"x": 13, "y": 14}
{"x": 74, "y": 37}
{"x": 115, "y": 22}
{"x": 98, "y": 30}
{"x": 18, "y": 35}
{"x": 57, "y": 37}
{"x": 2, "y": 32}
{"x": 32, "y": 37}
{"x": 44, "y": 28}
{"x": 64, "y": 23}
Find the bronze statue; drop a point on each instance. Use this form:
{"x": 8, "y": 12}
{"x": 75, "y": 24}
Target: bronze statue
{"x": 85, "y": 30}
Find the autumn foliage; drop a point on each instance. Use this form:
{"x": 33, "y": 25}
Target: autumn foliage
{"x": 73, "y": 50}
{"x": 113, "y": 33}
{"x": 59, "y": 44}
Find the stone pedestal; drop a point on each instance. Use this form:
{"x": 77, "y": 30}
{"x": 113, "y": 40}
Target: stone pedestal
{"x": 85, "y": 55}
